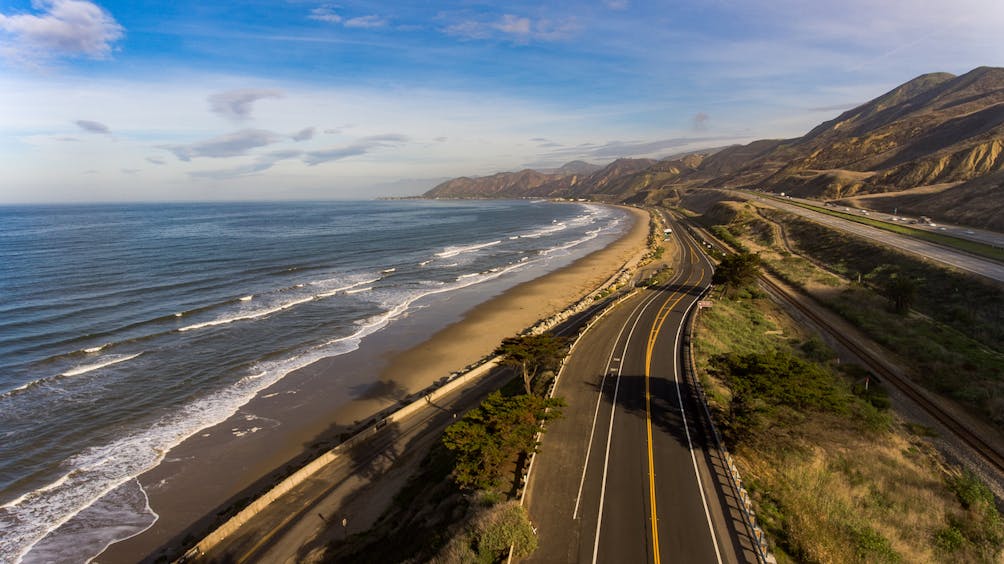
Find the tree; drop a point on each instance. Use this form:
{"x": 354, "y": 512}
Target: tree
{"x": 738, "y": 270}
{"x": 901, "y": 291}
{"x": 493, "y": 434}
{"x": 532, "y": 353}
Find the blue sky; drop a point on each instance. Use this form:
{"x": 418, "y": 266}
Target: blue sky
{"x": 295, "y": 99}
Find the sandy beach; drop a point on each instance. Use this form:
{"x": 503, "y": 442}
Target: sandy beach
{"x": 291, "y": 421}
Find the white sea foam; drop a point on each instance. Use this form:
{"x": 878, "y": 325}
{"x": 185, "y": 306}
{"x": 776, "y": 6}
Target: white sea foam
{"x": 346, "y": 289}
{"x": 245, "y": 316}
{"x": 247, "y": 298}
{"x": 454, "y": 251}
{"x": 99, "y": 470}
{"x": 359, "y": 290}
{"x": 103, "y": 362}
{"x": 266, "y": 311}
{"x": 554, "y": 228}
{"x": 95, "y": 349}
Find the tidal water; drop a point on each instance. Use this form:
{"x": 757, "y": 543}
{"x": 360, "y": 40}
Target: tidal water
{"x": 125, "y": 329}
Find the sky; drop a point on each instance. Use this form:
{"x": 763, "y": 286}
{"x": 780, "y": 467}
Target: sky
{"x": 138, "y": 100}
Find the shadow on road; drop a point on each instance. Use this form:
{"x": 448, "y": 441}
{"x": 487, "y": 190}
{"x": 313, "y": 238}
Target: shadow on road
{"x": 664, "y": 405}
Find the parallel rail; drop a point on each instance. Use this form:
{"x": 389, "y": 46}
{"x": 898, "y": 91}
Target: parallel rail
{"x": 986, "y": 451}
{"x": 982, "y": 448}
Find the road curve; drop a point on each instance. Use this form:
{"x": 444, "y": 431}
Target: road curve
{"x": 627, "y": 475}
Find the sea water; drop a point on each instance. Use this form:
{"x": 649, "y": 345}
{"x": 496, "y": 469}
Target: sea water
{"x": 125, "y": 329}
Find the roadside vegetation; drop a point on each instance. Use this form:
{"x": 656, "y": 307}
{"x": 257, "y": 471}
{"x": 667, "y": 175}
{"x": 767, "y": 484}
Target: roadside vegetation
{"x": 461, "y": 506}
{"x": 945, "y": 326}
{"x": 834, "y": 475}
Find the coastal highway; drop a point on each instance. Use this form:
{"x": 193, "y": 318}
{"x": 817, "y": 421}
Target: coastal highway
{"x": 627, "y": 474}
{"x": 985, "y": 267}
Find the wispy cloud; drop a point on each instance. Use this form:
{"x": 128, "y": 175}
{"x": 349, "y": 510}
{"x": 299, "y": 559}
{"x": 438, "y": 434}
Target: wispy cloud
{"x": 520, "y": 29}
{"x": 617, "y": 4}
{"x": 231, "y": 145}
{"x": 64, "y": 28}
{"x": 363, "y": 146}
{"x": 618, "y": 149}
{"x": 700, "y": 121}
{"x": 327, "y": 14}
{"x": 305, "y": 134}
{"x": 835, "y": 107}
{"x": 236, "y": 105}
{"x": 92, "y": 126}
{"x": 266, "y": 161}
{"x": 366, "y": 22}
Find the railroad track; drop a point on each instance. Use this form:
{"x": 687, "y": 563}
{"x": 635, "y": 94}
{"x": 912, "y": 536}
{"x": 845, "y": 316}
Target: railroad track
{"x": 983, "y": 449}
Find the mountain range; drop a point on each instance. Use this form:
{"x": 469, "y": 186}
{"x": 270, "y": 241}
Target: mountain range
{"x": 932, "y": 146}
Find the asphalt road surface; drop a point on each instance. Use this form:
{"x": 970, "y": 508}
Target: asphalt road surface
{"x": 964, "y": 261}
{"x": 627, "y": 474}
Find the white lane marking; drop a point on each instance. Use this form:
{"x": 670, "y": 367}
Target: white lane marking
{"x": 611, "y": 371}
{"x": 610, "y": 428}
{"x": 686, "y": 428}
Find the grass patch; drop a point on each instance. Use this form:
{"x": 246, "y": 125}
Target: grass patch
{"x": 950, "y": 341}
{"x": 833, "y": 475}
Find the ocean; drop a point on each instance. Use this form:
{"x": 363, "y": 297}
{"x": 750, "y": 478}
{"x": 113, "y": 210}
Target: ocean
{"x": 125, "y": 329}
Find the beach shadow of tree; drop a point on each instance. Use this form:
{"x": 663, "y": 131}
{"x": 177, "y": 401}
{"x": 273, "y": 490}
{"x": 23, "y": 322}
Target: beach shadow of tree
{"x": 380, "y": 390}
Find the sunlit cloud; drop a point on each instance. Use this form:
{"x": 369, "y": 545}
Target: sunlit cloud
{"x": 63, "y": 28}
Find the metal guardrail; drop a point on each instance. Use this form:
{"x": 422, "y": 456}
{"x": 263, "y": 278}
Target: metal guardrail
{"x": 757, "y": 536}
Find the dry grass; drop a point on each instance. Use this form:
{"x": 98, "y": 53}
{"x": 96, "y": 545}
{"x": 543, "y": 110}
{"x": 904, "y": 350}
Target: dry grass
{"x": 827, "y": 489}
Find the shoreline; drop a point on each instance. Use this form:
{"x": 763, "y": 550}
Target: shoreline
{"x": 306, "y": 412}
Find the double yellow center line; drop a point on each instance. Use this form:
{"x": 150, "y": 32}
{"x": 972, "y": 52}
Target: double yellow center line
{"x": 660, "y": 319}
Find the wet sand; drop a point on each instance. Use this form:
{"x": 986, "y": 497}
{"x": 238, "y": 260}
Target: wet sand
{"x": 307, "y": 410}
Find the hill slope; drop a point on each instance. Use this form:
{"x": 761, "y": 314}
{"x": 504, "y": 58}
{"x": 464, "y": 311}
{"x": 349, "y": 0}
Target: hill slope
{"x": 937, "y": 129}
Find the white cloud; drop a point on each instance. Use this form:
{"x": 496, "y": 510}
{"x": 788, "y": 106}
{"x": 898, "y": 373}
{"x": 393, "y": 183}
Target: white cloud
{"x": 236, "y": 105}
{"x": 325, "y": 14}
{"x": 65, "y": 28}
{"x": 233, "y": 144}
{"x": 617, "y": 4}
{"x": 514, "y": 25}
{"x": 366, "y": 22}
{"x": 519, "y": 29}
{"x": 92, "y": 126}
